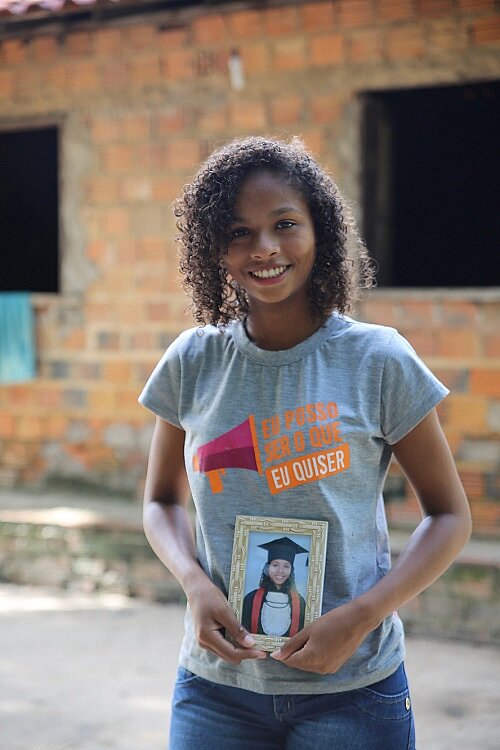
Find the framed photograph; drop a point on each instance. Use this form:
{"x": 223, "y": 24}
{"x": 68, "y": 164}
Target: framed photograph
{"x": 277, "y": 575}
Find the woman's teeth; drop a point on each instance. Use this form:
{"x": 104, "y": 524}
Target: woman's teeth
{"x": 269, "y": 273}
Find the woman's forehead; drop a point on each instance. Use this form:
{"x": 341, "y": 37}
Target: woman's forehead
{"x": 267, "y": 177}
{"x": 268, "y": 187}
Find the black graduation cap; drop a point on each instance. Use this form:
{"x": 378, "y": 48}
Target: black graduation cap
{"x": 282, "y": 549}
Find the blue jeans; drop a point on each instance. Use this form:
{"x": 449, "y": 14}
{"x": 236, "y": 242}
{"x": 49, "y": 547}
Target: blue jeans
{"x": 208, "y": 716}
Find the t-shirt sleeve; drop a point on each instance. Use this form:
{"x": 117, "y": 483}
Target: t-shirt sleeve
{"x": 409, "y": 390}
{"x": 161, "y": 394}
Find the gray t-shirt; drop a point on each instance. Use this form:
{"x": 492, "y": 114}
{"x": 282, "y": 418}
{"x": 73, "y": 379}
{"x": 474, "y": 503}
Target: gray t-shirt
{"x": 356, "y": 387}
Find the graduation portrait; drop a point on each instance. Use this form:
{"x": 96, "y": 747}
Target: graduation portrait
{"x": 277, "y": 576}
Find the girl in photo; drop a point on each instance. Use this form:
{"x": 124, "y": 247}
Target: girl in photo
{"x": 276, "y": 375}
{"x": 276, "y": 608}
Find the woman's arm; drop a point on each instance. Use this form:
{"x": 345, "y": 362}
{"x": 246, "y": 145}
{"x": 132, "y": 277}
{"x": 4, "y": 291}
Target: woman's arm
{"x": 425, "y": 457}
{"x": 168, "y": 529}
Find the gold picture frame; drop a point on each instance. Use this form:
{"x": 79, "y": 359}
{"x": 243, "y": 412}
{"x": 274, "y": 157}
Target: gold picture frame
{"x": 254, "y": 538}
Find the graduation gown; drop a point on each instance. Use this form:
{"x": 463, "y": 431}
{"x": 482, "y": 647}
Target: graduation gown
{"x": 252, "y": 610}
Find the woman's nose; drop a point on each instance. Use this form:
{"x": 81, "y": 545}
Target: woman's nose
{"x": 265, "y": 247}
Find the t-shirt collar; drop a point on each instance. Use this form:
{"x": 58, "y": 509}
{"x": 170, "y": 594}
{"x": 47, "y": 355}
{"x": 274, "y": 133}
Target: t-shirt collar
{"x": 284, "y": 356}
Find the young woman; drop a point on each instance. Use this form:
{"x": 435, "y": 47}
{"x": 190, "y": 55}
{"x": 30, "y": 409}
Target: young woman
{"x": 273, "y": 264}
{"x": 276, "y": 608}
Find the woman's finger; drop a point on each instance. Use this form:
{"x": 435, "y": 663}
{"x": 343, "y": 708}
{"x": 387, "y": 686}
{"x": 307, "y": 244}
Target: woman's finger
{"x": 211, "y": 636}
{"x": 238, "y": 633}
{"x": 292, "y": 646}
{"x": 244, "y": 641}
{"x": 229, "y": 652}
{"x": 303, "y": 658}
{"x": 235, "y": 629}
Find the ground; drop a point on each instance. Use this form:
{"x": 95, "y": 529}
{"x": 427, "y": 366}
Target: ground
{"x": 88, "y": 673}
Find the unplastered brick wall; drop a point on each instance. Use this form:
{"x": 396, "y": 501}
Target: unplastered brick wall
{"x": 460, "y": 341}
{"x": 138, "y": 104}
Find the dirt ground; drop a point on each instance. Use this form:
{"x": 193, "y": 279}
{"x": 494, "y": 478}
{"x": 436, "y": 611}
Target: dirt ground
{"x": 88, "y": 673}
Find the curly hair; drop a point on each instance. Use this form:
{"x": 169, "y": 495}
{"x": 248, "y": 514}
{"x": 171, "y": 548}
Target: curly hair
{"x": 205, "y": 212}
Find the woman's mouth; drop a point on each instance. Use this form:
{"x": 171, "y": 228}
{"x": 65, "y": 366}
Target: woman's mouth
{"x": 269, "y": 275}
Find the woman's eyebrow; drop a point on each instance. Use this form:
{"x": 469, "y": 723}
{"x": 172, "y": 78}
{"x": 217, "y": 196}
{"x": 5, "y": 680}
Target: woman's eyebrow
{"x": 284, "y": 210}
{"x": 276, "y": 212}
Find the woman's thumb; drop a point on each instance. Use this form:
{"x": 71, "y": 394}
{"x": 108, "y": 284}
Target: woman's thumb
{"x": 240, "y": 635}
{"x": 279, "y": 654}
{"x": 289, "y": 648}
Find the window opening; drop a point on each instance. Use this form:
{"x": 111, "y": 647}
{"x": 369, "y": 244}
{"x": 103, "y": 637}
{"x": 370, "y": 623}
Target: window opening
{"x": 431, "y": 185}
{"x": 29, "y": 198}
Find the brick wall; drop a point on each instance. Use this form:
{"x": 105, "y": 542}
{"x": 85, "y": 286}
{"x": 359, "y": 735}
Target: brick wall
{"x": 459, "y": 340}
{"x": 139, "y": 103}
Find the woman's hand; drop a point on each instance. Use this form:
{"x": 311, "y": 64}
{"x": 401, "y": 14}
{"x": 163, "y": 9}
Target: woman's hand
{"x": 326, "y": 644}
{"x": 211, "y": 614}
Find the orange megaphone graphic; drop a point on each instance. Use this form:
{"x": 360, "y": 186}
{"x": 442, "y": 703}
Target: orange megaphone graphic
{"x": 235, "y": 449}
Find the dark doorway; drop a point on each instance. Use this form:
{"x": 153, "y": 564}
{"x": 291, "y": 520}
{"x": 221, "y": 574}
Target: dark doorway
{"x": 431, "y": 185}
{"x": 29, "y": 236}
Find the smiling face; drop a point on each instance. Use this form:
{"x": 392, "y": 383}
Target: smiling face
{"x": 279, "y": 572}
{"x": 272, "y": 245}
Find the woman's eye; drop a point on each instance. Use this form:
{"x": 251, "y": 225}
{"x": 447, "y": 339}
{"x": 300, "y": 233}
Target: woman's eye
{"x": 239, "y": 232}
{"x": 285, "y": 224}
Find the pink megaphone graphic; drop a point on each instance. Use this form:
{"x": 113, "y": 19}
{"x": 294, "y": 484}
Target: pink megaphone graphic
{"x": 235, "y": 449}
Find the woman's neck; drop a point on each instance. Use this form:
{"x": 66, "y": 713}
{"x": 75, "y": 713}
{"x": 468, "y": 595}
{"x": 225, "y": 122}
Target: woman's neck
{"x": 280, "y": 329}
